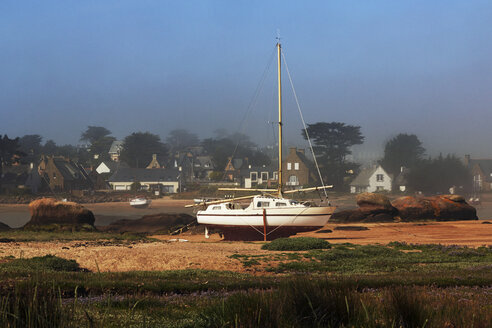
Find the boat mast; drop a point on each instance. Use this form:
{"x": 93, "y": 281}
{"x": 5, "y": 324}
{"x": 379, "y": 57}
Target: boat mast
{"x": 279, "y": 121}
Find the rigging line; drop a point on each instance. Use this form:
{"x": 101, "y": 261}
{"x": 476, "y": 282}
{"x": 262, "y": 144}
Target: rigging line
{"x": 304, "y": 124}
{"x": 252, "y": 103}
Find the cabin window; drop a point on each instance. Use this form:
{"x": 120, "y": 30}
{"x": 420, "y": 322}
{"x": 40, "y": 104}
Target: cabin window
{"x": 263, "y": 204}
{"x": 293, "y": 202}
{"x": 264, "y": 176}
{"x": 280, "y": 204}
{"x": 254, "y": 176}
{"x": 296, "y": 166}
{"x": 216, "y": 207}
{"x": 379, "y": 177}
{"x": 289, "y": 166}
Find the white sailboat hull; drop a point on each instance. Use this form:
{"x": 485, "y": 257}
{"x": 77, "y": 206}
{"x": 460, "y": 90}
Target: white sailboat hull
{"x": 250, "y": 224}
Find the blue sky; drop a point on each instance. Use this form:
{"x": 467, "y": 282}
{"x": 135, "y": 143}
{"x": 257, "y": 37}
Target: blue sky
{"x": 420, "y": 67}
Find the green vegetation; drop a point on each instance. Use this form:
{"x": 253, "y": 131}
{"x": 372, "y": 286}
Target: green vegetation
{"x": 394, "y": 285}
{"x": 60, "y": 235}
{"x": 41, "y": 263}
{"x": 296, "y": 244}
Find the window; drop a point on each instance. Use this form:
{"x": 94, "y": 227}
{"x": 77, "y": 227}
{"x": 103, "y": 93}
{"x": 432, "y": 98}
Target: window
{"x": 280, "y": 204}
{"x": 216, "y": 207}
{"x": 379, "y": 177}
{"x": 264, "y": 176}
{"x": 293, "y": 180}
{"x": 263, "y": 204}
{"x": 296, "y": 166}
{"x": 289, "y": 166}
{"x": 254, "y": 176}
{"x": 379, "y": 188}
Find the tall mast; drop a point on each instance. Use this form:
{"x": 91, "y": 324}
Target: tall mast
{"x": 279, "y": 121}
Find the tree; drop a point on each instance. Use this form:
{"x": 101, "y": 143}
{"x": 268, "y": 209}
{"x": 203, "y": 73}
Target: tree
{"x": 332, "y": 143}
{"x": 222, "y": 149}
{"x": 94, "y": 133}
{"x": 9, "y": 148}
{"x": 138, "y": 148}
{"x": 438, "y": 175}
{"x": 403, "y": 150}
{"x": 30, "y": 144}
{"x": 180, "y": 139}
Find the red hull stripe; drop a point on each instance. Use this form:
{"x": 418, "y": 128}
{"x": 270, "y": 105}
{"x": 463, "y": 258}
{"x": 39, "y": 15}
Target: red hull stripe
{"x": 261, "y": 214}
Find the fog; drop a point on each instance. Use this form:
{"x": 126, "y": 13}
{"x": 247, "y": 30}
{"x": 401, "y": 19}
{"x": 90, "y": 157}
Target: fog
{"x": 390, "y": 67}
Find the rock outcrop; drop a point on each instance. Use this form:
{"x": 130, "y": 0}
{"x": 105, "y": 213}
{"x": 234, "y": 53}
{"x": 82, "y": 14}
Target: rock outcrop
{"x": 378, "y": 208}
{"x": 440, "y": 208}
{"x": 372, "y": 208}
{"x": 49, "y": 211}
{"x": 154, "y": 223}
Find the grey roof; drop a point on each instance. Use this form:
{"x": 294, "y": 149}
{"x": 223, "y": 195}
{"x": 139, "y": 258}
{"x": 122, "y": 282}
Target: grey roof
{"x": 147, "y": 175}
{"x": 113, "y": 166}
{"x": 362, "y": 179}
{"x": 204, "y": 161}
{"x": 115, "y": 147}
{"x": 401, "y": 179}
{"x": 69, "y": 170}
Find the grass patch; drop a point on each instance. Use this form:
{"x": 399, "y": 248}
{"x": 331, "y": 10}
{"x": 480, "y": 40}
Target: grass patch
{"x": 47, "y": 263}
{"x": 296, "y": 244}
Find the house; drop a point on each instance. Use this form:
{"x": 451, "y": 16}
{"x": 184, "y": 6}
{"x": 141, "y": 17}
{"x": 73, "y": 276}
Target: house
{"x": 203, "y": 166}
{"x": 164, "y": 180}
{"x": 297, "y": 170}
{"x": 115, "y": 150}
{"x": 264, "y": 176}
{"x": 481, "y": 171}
{"x": 233, "y": 168}
{"x": 401, "y": 180}
{"x": 372, "y": 179}
{"x": 63, "y": 174}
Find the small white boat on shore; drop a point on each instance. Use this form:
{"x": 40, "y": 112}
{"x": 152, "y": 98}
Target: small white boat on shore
{"x": 140, "y": 202}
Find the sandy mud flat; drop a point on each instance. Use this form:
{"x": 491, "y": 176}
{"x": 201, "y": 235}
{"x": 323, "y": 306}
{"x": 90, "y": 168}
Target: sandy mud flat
{"x": 214, "y": 254}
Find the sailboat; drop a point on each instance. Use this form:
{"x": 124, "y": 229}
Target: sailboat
{"x": 268, "y": 216}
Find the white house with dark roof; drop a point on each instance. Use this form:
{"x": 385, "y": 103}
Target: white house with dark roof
{"x": 372, "y": 179}
{"x": 165, "y": 180}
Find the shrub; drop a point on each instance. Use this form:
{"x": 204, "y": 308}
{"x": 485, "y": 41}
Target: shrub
{"x": 296, "y": 244}
{"x": 41, "y": 263}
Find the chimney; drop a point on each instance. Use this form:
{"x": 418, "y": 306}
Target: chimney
{"x": 154, "y": 157}
{"x": 467, "y": 160}
{"x": 402, "y": 168}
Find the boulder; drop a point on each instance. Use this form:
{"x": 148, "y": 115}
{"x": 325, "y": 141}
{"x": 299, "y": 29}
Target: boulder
{"x": 4, "y": 227}
{"x": 441, "y": 208}
{"x": 49, "y": 211}
{"x": 372, "y": 201}
{"x": 155, "y": 223}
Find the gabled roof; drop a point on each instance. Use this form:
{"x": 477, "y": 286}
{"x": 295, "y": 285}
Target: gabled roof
{"x": 362, "y": 179}
{"x": 115, "y": 147}
{"x": 401, "y": 179}
{"x": 203, "y": 161}
{"x": 484, "y": 164}
{"x": 113, "y": 166}
{"x": 68, "y": 169}
{"x": 147, "y": 175}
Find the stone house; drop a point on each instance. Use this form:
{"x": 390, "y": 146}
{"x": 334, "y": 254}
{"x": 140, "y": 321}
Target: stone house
{"x": 115, "y": 150}
{"x": 481, "y": 171}
{"x": 371, "y": 180}
{"x": 62, "y": 174}
{"x": 297, "y": 170}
